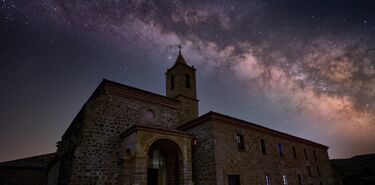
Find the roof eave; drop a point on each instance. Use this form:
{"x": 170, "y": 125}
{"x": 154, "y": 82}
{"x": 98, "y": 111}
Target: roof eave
{"x": 217, "y": 116}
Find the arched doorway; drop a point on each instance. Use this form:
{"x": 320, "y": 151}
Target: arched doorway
{"x": 163, "y": 164}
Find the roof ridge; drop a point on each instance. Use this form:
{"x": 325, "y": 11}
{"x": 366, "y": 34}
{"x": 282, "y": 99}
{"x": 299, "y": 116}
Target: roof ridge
{"x": 137, "y": 89}
{"x": 52, "y": 153}
{"x": 39, "y": 161}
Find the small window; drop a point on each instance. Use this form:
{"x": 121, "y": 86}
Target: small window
{"x": 285, "y": 180}
{"x": 240, "y": 142}
{"x": 299, "y": 179}
{"x": 309, "y": 171}
{"x": 187, "y": 80}
{"x": 172, "y": 82}
{"x": 280, "y": 149}
{"x": 263, "y": 145}
{"x": 316, "y": 158}
{"x": 268, "y": 179}
{"x": 294, "y": 152}
{"x": 318, "y": 170}
{"x": 304, "y": 150}
{"x": 234, "y": 179}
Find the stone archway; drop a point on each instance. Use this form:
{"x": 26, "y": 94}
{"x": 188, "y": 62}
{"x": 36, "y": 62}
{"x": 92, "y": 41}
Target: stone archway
{"x": 164, "y": 163}
{"x": 150, "y": 148}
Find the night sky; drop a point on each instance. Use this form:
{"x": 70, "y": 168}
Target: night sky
{"x": 306, "y": 68}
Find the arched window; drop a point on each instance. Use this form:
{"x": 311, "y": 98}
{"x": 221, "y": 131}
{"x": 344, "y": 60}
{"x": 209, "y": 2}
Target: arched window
{"x": 172, "y": 82}
{"x": 187, "y": 80}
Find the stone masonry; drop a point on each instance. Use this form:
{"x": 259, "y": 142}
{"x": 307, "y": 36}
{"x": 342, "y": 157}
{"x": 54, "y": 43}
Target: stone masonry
{"x": 97, "y": 155}
{"x": 217, "y": 149}
{"x": 181, "y": 85}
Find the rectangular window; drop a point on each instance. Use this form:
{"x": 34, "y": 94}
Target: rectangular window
{"x": 233, "y": 179}
{"x": 285, "y": 180}
{"x": 280, "y": 149}
{"x": 240, "y": 142}
{"x": 294, "y": 152}
{"x": 315, "y": 156}
{"x": 263, "y": 144}
{"x": 268, "y": 179}
{"x": 304, "y": 150}
{"x": 309, "y": 171}
{"x": 318, "y": 170}
{"x": 299, "y": 179}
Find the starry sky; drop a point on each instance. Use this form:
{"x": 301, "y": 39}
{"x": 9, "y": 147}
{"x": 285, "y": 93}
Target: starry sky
{"x": 306, "y": 68}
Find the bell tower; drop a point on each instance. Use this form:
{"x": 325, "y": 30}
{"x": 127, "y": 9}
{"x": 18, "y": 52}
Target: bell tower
{"x": 181, "y": 85}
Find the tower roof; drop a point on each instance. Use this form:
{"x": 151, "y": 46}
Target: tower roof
{"x": 180, "y": 59}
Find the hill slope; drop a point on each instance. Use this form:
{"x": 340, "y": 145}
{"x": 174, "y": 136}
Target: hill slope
{"x": 358, "y": 170}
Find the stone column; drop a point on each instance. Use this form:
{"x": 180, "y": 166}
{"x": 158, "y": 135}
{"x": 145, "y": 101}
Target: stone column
{"x": 127, "y": 171}
{"x": 186, "y": 172}
{"x": 140, "y": 171}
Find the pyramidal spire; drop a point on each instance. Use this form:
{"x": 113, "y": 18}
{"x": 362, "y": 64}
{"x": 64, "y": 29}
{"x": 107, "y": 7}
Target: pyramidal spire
{"x": 180, "y": 59}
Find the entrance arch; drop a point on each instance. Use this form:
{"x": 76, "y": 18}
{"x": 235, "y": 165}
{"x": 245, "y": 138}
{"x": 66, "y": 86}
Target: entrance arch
{"x": 164, "y": 164}
{"x": 156, "y": 156}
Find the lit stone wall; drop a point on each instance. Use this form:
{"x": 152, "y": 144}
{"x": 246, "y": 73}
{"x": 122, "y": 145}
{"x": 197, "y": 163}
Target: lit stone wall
{"x": 203, "y": 155}
{"x": 252, "y": 165}
{"x": 95, "y": 157}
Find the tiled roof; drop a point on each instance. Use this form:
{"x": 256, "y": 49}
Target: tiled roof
{"x": 115, "y": 88}
{"x": 235, "y": 121}
{"x": 40, "y": 161}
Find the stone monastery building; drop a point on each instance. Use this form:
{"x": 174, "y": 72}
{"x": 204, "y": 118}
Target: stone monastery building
{"x": 128, "y": 136}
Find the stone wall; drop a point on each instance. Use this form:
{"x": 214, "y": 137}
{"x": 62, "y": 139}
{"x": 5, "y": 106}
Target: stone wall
{"x": 186, "y": 95}
{"x": 179, "y": 71}
{"x": 66, "y": 147}
{"x": 252, "y": 166}
{"x": 203, "y": 155}
{"x": 189, "y": 109}
{"x": 97, "y": 158}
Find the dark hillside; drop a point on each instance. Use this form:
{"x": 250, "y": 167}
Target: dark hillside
{"x": 358, "y": 170}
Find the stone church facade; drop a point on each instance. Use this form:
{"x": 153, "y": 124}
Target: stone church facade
{"x": 128, "y": 136}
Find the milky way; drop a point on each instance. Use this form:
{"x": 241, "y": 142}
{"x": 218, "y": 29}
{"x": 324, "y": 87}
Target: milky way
{"x": 303, "y": 67}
